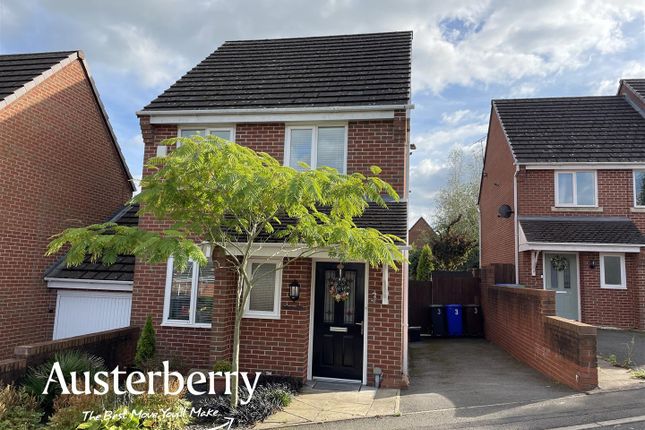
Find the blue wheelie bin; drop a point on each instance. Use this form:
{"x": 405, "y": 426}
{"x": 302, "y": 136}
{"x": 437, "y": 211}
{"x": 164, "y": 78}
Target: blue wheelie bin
{"x": 455, "y": 320}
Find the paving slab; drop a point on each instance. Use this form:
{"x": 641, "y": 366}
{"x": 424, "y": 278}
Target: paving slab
{"x": 327, "y": 404}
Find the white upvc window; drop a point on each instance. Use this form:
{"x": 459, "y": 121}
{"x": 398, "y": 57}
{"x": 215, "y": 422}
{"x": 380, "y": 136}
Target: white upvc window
{"x": 189, "y": 295}
{"x": 639, "y": 188}
{"x": 577, "y": 188}
{"x": 316, "y": 145}
{"x": 264, "y": 298}
{"x": 226, "y": 133}
{"x": 612, "y": 271}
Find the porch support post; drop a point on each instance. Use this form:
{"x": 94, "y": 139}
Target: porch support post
{"x": 535, "y": 255}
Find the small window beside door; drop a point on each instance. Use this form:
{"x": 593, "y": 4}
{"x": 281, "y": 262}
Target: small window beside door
{"x": 264, "y": 299}
{"x": 612, "y": 271}
{"x": 317, "y": 146}
{"x": 575, "y": 189}
{"x": 189, "y": 294}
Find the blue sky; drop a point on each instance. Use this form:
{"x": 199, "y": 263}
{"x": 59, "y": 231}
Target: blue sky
{"x": 464, "y": 54}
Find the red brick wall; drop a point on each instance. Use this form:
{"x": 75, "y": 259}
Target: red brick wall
{"x": 281, "y": 346}
{"x": 497, "y": 234}
{"x": 522, "y": 322}
{"x": 58, "y": 168}
{"x": 420, "y": 234}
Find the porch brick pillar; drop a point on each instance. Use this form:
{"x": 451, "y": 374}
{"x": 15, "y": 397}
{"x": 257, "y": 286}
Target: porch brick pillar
{"x": 221, "y": 339}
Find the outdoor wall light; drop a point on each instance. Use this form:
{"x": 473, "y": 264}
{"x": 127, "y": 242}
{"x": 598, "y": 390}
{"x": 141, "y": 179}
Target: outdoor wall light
{"x": 294, "y": 290}
{"x": 592, "y": 264}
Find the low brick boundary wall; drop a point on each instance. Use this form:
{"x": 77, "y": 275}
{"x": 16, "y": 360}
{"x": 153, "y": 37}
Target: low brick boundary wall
{"x": 116, "y": 347}
{"x": 522, "y": 321}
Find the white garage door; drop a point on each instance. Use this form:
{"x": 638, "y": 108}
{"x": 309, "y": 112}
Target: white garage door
{"x": 84, "y": 312}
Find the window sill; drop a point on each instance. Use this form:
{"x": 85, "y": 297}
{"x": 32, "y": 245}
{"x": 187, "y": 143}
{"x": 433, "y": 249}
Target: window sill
{"x": 576, "y": 209}
{"x": 261, "y": 316}
{"x": 637, "y": 209}
{"x": 613, "y": 287}
{"x": 185, "y": 325}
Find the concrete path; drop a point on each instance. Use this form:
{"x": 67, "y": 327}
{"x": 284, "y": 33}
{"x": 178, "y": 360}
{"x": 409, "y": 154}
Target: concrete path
{"x": 327, "y": 402}
{"x": 465, "y": 374}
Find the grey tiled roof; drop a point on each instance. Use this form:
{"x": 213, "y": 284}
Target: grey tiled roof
{"x": 637, "y": 85}
{"x": 573, "y": 129}
{"x": 391, "y": 220}
{"x": 122, "y": 270}
{"x": 18, "y": 69}
{"x": 359, "y": 69}
{"x": 597, "y": 230}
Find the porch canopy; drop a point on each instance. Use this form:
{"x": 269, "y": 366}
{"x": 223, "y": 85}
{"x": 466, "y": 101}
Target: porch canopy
{"x": 590, "y": 234}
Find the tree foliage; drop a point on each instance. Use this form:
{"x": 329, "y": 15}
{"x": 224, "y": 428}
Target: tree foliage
{"x": 457, "y": 200}
{"x": 234, "y": 199}
{"x": 425, "y": 265}
{"x": 451, "y": 248}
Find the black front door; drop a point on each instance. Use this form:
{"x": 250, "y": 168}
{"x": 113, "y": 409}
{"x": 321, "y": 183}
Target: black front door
{"x": 338, "y": 326}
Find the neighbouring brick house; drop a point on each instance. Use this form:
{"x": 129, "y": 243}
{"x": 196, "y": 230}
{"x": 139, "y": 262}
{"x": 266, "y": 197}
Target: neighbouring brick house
{"x": 340, "y": 101}
{"x": 420, "y": 233}
{"x": 60, "y": 166}
{"x": 563, "y": 200}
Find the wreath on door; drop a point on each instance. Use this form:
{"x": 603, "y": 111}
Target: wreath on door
{"x": 339, "y": 287}
{"x": 559, "y": 263}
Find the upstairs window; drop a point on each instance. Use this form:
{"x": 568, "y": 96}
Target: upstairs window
{"x": 639, "y": 188}
{"x": 189, "y": 294}
{"x": 575, "y": 189}
{"x": 226, "y": 133}
{"x": 317, "y": 146}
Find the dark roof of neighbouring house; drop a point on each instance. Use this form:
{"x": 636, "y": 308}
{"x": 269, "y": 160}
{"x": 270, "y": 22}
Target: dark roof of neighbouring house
{"x": 349, "y": 70}
{"x": 16, "y": 70}
{"x": 573, "y": 129}
{"x": 637, "y": 86}
{"x": 596, "y": 230}
{"x": 121, "y": 270}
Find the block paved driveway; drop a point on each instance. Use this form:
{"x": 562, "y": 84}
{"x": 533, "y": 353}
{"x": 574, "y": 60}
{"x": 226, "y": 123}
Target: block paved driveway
{"x": 471, "y": 377}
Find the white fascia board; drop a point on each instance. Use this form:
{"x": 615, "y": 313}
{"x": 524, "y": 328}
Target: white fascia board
{"x": 628, "y": 165}
{"x": 579, "y": 247}
{"x": 173, "y": 112}
{"x": 88, "y": 284}
{"x": 278, "y": 250}
{"x": 230, "y": 118}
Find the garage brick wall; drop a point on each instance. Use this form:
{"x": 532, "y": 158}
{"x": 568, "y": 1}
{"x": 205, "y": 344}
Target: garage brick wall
{"x": 58, "y": 168}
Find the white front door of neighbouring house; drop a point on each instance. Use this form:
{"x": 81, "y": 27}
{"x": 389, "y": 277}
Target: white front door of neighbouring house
{"x": 84, "y": 312}
{"x": 561, "y": 275}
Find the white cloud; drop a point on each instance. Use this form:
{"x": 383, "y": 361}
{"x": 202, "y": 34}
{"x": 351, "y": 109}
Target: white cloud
{"x": 632, "y": 69}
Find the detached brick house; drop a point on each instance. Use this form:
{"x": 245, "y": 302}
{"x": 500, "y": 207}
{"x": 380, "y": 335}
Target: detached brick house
{"x": 563, "y": 199}
{"x": 60, "y": 166}
{"x": 339, "y": 101}
{"x": 420, "y": 233}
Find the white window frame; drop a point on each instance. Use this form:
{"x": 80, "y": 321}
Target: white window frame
{"x": 193, "y": 298}
{"x": 623, "y": 272}
{"x": 575, "y": 189}
{"x": 277, "y": 291}
{"x": 209, "y": 129}
{"x": 634, "y": 172}
{"x": 314, "y": 142}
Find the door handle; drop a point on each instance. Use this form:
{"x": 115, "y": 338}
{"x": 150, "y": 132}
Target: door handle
{"x": 360, "y": 324}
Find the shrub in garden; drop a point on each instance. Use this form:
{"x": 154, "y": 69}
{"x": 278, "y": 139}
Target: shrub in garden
{"x": 18, "y": 410}
{"x": 68, "y": 410}
{"x": 146, "y": 345}
{"x": 266, "y": 400}
{"x": 70, "y": 361}
{"x": 222, "y": 366}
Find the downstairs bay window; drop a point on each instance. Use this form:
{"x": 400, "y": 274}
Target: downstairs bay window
{"x": 189, "y": 295}
{"x": 612, "y": 271}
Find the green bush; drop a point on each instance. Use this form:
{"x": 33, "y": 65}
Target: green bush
{"x": 70, "y": 361}
{"x": 222, "y": 366}
{"x": 68, "y": 410}
{"x": 426, "y": 264}
{"x": 18, "y": 410}
{"x": 146, "y": 345}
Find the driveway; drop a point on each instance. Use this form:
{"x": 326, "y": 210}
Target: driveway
{"x": 623, "y": 344}
{"x": 470, "y": 376}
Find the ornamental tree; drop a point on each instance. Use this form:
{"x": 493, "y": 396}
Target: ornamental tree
{"x": 232, "y": 200}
